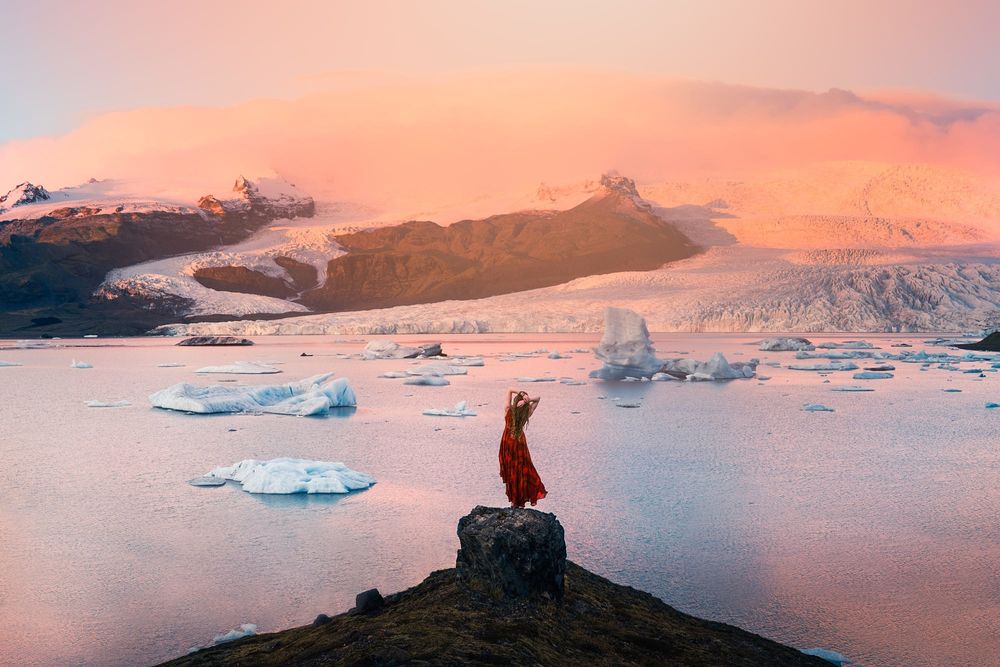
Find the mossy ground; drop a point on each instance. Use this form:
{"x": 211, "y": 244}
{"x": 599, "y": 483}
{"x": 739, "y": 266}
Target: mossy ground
{"x": 439, "y": 623}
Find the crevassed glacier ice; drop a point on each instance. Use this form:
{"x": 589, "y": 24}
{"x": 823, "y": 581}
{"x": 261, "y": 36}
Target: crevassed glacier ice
{"x": 241, "y": 368}
{"x": 312, "y": 396}
{"x": 786, "y": 344}
{"x": 287, "y": 475}
{"x": 461, "y": 409}
{"x": 625, "y": 347}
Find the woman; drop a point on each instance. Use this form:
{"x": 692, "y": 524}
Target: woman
{"x": 516, "y": 470}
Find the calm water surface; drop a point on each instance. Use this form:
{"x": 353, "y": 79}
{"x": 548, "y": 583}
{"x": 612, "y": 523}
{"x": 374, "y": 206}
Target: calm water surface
{"x": 872, "y": 530}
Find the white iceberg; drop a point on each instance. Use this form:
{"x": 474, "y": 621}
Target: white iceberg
{"x": 8, "y": 364}
{"x": 288, "y": 475}
{"x": 387, "y": 349}
{"x": 309, "y": 397}
{"x": 832, "y": 366}
{"x": 395, "y": 375}
{"x": 428, "y": 381}
{"x": 466, "y": 361}
{"x": 851, "y": 388}
{"x": 716, "y": 368}
{"x": 816, "y": 407}
{"x": 571, "y": 382}
{"x": 170, "y": 365}
{"x": 107, "y": 404}
{"x": 461, "y": 409}
{"x": 872, "y": 375}
{"x": 534, "y": 379}
{"x": 786, "y": 344}
{"x": 556, "y": 355}
{"x": 847, "y": 345}
{"x": 79, "y": 364}
{"x": 438, "y": 369}
{"x": 625, "y": 347}
{"x": 241, "y": 368}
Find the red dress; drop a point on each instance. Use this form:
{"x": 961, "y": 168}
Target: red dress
{"x": 516, "y": 469}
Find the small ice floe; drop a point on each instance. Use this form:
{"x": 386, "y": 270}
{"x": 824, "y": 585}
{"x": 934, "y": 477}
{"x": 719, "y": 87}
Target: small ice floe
{"x": 952, "y": 391}
{"x": 466, "y": 361}
{"x": 107, "y": 404}
{"x": 581, "y": 350}
{"x": 835, "y": 354}
{"x": 832, "y": 366}
{"x": 628, "y": 404}
{"x": 534, "y": 379}
{"x": 241, "y": 368}
{"x": 427, "y": 381}
{"x": 79, "y": 364}
{"x": 663, "y": 377}
{"x": 826, "y": 654}
{"x": 395, "y": 375}
{"x": 312, "y": 396}
{"x": 900, "y": 345}
{"x": 556, "y": 355}
{"x": 170, "y": 365}
{"x": 992, "y": 405}
{"x": 881, "y": 367}
{"x": 571, "y": 382}
{"x": 90, "y": 335}
{"x": 461, "y": 409}
{"x": 763, "y": 378}
{"x": 872, "y": 375}
{"x": 438, "y": 369}
{"x": 387, "y": 349}
{"x": 288, "y": 475}
{"x": 847, "y": 345}
{"x": 8, "y": 364}
{"x": 851, "y": 388}
{"x": 786, "y": 344}
{"x": 207, "y": 481}
{"x": 816, "y": 407}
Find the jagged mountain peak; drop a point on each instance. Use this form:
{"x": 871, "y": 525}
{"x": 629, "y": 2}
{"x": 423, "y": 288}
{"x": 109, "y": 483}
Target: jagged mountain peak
{"x": 24, "y": 193}
{"x": 614, "y": 182}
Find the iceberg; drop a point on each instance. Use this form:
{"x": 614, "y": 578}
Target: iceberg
{"x": 241, "y": 368}
{"x": 851, "y": 388}
{"x": 438, "y": 369}
{"x": 716, "y": 368}
{"x": 460, "y": 410}
{"x": 395, "y": 375}
{"x": 556, "y": 355}
{"x": 107, "y": 404}
{"x": 387, "y": 349}
{"x": 826, "y": 654}
{"x": 534, "y": 379}
{"x": 873, "y": 375}
{"x": 288, "y": 475}
{"x": 309, "y": 397}
{"x": 170, "y": 365}
{"x": 79, "y": 364}
{"x": 7, "y": 364}
{"x": 625, "y": 347}
{"x": 786, "y": 344}
{"x": 992, "y": 405}
{"x": 833, "y": 366}
{"x": 848, "y": 345}
{"x": 881, "y": 367}
{"x": 816, "y": 407}
{"x": 466, "y": 361}
{"x": 427, "y": 381}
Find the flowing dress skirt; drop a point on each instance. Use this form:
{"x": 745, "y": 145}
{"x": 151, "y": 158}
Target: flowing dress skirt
{"x": 518, "y": 472}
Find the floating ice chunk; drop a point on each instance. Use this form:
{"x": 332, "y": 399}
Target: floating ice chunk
{"x": 245, "y": 630}
{"x": 625, "y": 349}
{"x": 556, "y": 355}
{"x": 460, "y": 410}
{"x": 992, "y": 405}
{"x": 466, "y": 361}
{"x": 581, "y": 350}
{"x": 107, "y": 404}
{"x": 427, "y": 380}
{"x": 834, "y": 354}
{"x": 872, "y": 375}
{"x": 170, "y": 365}
{"x": 851, "y": 388}
{"x": 241, "y": 368}
{"x": 881, "y": 367}
{"x": 571, "y": 382}
{"x": 828, "y": 655}
{"x": 288, "y": 475}
{"x": 395, "y": 374}
{"x": 387, "y": 349}
{"x": 438, "y": 369}
{"x": 663, "y": 377}
{"x": 763, "y": 378}
{"x": 79, "y": 364}
{"x": 951, "y": 391}
{"x": 832, "y": 366}
{"x": 207, "y": 481}
{"x": 312, "y": 396}
{"x": 534, "y": 379}
{"x": 7, "y": 364}
{"x": 786, "y": 344}
{"x": 816, "y": 407}
{"x": 628, "y": 404}
{"x": 848, "y": 345}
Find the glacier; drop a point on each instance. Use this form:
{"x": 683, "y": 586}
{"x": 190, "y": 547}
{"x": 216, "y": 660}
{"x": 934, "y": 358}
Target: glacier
{"x": 289, "y": 475}
{"x": 312, "y": 396}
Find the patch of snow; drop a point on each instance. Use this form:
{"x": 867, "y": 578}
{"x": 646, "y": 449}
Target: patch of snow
{"x": 312, "y": 396}
{"x": 288, "y": 475}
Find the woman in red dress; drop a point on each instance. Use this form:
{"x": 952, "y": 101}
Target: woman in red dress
{"x": 516, "y": 470}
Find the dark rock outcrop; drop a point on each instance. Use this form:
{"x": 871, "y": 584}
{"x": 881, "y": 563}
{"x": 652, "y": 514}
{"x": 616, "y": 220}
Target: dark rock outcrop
{"x": 989, "y": 344}
{"x": 215, "y": 340}
{"x": 368, "y": 601}
{"x": 511, "y": 553}
{"x": 244, "y": 280}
